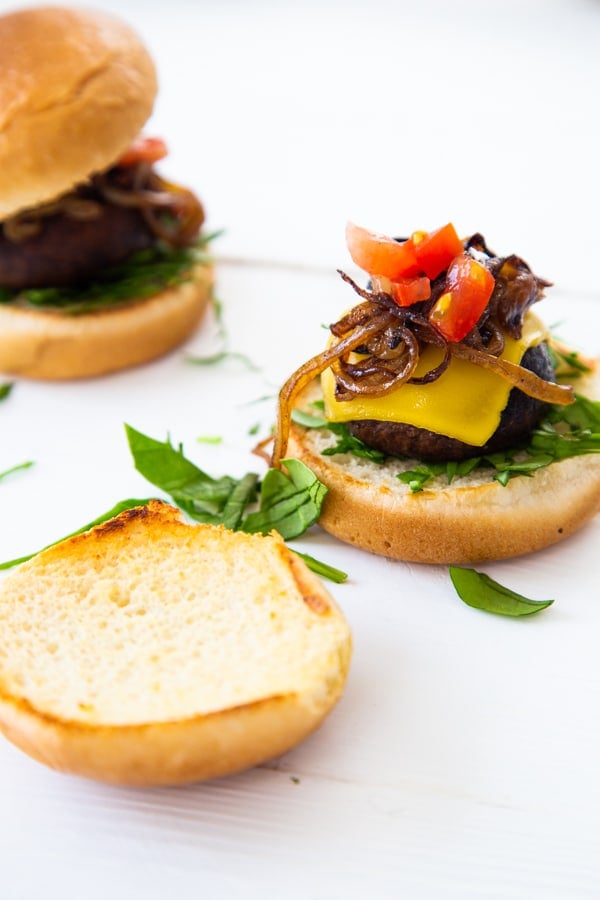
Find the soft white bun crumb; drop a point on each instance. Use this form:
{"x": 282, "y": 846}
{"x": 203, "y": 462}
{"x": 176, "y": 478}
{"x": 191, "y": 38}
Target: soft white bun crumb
{"x": 150, "y": 651}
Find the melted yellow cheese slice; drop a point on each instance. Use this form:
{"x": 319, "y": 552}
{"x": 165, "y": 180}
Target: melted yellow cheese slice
{"x": 466, "y": 402}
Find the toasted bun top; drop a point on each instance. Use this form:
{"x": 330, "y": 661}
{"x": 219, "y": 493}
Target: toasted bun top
{"x": 76, "y": 86}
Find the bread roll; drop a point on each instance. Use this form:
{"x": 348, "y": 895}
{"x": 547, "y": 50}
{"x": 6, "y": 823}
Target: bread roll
{"x": 473, "y": 519}
{"x": 149, "y": 651}
{"x": 75, "y": 89}
{"x": 51, "y": 345}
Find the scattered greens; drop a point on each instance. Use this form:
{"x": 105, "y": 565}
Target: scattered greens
{"x": 5, "y": 389}
{"x": 419, "y": 476}
{"x": 347, "y": 443}
{"x": 567, "y": 363}
{"x": 288, "y": 503}
{"x": 142, "y": 275}
{"x": 116, "y": 509}
{"x": 481, "y": 592}
{"x": 322, "y": 569}
{"x": 203, "y": 498}
{"x": 17, "y": 468}
{"x": 566, "y": 431}
{"x": 221, "y": 355}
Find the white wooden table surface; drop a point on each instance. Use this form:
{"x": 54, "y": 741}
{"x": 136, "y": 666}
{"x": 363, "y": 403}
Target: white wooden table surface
{"x": 462, "y": 761}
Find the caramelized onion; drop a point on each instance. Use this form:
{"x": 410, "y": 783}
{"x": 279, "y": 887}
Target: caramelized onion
{"x": 28, "y": 224}
{"x": 172, "y": 213}
{"x": 392, "y": 355}
{"x": 526, "y": 381}
{"x": 388, "y": 340}
{"x": 310, "y": 369}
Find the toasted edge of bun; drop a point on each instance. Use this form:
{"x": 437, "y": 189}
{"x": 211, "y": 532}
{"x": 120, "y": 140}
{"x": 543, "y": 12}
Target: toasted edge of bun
{"x": 169, "y": 681}
{"x": 470, "y": 520}
{"x": 76, "y": 87}
{"x": 54, "y": 346}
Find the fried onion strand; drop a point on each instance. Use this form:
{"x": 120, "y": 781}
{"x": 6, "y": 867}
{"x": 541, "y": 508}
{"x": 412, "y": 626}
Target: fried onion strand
{"x": 527, "y": 382}
{"x": 309, "y": 370}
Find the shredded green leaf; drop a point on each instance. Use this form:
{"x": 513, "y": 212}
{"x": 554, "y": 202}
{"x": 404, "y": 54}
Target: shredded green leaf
{"x": 478, "y": 590}
{"x": 322, "y": 569}
{"x": 5, "y": 389}
{"x": 142, "y": 275}
{"x": 214, "y": 358}
{"x": 289, "y": 503}
{"x": 567, "y": 363}
{"x": 17, "y": 468}
{"x": 566, "y": 431}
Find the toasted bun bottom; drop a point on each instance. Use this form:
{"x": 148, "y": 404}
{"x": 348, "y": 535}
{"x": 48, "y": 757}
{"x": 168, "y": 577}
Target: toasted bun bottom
{"x": 149, "y": 651}
{"x": 470, "y": 520}
{"x": 53, "y": 345}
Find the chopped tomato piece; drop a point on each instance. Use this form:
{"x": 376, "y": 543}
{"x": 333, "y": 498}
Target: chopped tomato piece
{"x": 407, "y": 291}
{"x": 469, "y": 286}
{"x": 381, "y": 255}
{"x": 144, "y": 149}
{"x": 435, "y": 250}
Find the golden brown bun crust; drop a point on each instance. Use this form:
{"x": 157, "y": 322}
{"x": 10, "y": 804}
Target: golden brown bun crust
{"x": 51, "y": 345}
{"x": 75, "y": 89}
{"x": 466, "y": 524}
{"x": 200, "y": 651}
{"x": 163, "y": 753}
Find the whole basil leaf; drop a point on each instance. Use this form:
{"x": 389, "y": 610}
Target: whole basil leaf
{"x": 478, "y": 590}
{"x": 202, "y": 497}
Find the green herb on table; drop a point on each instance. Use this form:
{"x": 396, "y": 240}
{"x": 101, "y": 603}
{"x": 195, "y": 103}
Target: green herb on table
{"x": 481, "y": 592}
{"x": 209, "y": 439}
{"x": 214, "y": 358}
{"x": 288, "y": 503}
{"x": 17, "y": 468}
{"x": 5, "y": 389}
{"x": 323, "y": 569}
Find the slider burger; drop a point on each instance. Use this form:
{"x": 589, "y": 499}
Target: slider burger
{"x": 440, "y": 416}
{"x": 100, "y": 266}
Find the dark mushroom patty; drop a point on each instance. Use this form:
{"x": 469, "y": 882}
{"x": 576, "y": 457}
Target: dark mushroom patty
{"x": 521, "y": 415}
{"x": 68, "y": 251}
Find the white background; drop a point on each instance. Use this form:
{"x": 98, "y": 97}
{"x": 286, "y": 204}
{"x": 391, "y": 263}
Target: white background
{"x": 462, "y": 760}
